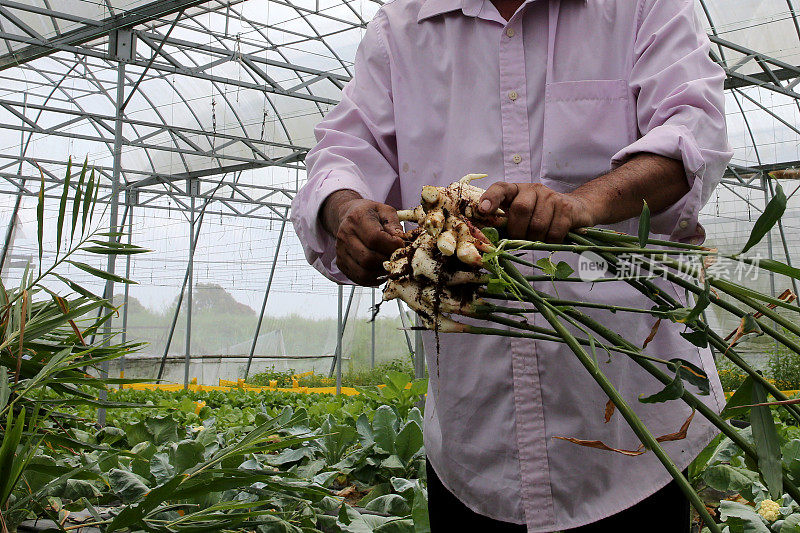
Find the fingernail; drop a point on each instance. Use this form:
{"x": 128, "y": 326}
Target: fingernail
{"x": 485, "y": 206}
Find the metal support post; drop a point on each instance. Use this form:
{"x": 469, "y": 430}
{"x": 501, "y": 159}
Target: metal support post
{"x": 128, "y": 201}
{"x": 405, "y": 327}
{"x": 339, "y": 333}
{"x": 264, "y": 303}
{"x": 785, "y": 245}
{"x": 114, "y": 207}
{"x": 372, "y": 346}
{"x": 344, "y": 325}
{"x": 192, "y": 186}
{"x": 180, "y": 298}
{"x": 12, "y": 222}
{"x": 419, "y": 353}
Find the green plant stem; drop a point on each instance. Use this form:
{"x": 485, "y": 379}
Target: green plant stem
{"x": 624, "y": 409}
{"x": 580, "y": 248}
{"x": 612, "y": 236}
{"x": 590, "y": 305}
{"x": 688, "y": 397}
{"x": 651, "y": 290}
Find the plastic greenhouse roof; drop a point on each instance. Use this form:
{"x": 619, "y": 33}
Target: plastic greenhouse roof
{"x": 203, "y": 104}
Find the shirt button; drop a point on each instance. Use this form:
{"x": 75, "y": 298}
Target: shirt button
{"x": 517, "y": 159}
{"x": 684, "y": 224}
{"x": 512, "y": 95}
{"x": 510, "y": 32}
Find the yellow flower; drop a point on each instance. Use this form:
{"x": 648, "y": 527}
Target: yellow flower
{"x": 770, "y": 510}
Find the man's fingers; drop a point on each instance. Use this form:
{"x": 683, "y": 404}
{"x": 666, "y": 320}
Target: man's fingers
{"x": 389, "y": 220}
{"x": 560, "y": 224}
{"x": 356, "y": 269}
{"x": 520, "y": 212}
{"x": 541, "y": 219}
{"x": 366, "y": 258}
{"x": 372, "y": 233}
{"x": 499, "y": 194}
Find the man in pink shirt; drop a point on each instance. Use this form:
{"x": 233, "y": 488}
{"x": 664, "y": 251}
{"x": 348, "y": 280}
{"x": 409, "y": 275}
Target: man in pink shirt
{"x": 578, "y": 110}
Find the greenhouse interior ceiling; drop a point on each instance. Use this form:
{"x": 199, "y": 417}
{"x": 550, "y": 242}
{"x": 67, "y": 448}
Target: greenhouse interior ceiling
{"x": 197, "y": 115}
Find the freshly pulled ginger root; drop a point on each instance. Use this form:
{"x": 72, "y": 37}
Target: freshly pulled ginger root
{"x": 438, "y": 271}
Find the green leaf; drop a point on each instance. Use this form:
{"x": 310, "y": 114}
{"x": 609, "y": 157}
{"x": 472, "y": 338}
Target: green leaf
{"x": 408, "y": 442}
{"x": 77, "y": 288}
{"x": 392, "y": 504}
{"x": 419, "y": 510}
{"x": 497, "y": 286}
{"x": 547, "y": 266}
{"x": 384, "y": 427}
{"x": 76, "y": 200}
{"x": 742, "y": 396}
{"x": 767, "y": 442}
{"x": 698, "y": 338}
{"x": 87, "y": 199}
{"x": 727, "y": 478}
{"x": 693, "y": 374}
{"x": 563, "y": 270}
{"x": 741, "y": 518}
{"x": 703, "y": 301}
{"x": 772, "y": 266}
{"x": 40, "y": 219}
{"x": 492, "y": 234}
{"x": 62, "y": 208}
{"x": 161, "y": 468}
{"x": 673, "y": 391}
{"x": 188, "y": 453}
{"x": 132, "y": 514}
{"x": 100, "y": 273}
{"x": 127, "y": 485}
{"x": 644, "y": 225}
{"x": 11, "y": 439}
{"x": 791, "y": 524}
{"x": 772, "y": 213}
{"x": 5, "y": 390}
{"x": 701, "y": 461}
{"x": 100, "y": 250}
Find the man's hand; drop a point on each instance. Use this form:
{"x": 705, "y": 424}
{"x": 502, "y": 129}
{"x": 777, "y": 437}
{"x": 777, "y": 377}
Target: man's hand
{"x": 536, "y": 212}
{"x": 366, "y": 234}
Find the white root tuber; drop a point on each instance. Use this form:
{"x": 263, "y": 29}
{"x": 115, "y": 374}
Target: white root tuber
{"x": 425, "y": 274}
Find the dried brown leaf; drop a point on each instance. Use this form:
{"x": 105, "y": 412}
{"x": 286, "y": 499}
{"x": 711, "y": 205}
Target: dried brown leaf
{"x": 600, "y": 445}
{"x": 610, "y": 407}
{"x": 653, "y": 332}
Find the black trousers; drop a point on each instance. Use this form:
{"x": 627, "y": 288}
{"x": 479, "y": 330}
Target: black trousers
{"x": 666, "y": 511}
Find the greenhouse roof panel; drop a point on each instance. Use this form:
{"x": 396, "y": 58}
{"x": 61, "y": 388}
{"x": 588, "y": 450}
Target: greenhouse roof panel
{"x": 243, "y": 82}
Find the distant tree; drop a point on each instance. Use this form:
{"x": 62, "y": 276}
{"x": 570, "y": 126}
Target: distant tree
{"x": 213, "y": 297}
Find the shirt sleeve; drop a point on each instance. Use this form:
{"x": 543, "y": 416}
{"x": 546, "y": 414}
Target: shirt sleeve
{"x": 356, "y": 149}
{"x": 680, "y": 108}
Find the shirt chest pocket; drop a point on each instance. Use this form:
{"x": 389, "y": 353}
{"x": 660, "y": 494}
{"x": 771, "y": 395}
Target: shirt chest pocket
{"x": 585, "y": 124}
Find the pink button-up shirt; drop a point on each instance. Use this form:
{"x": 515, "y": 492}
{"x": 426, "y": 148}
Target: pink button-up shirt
{"x": 560, "y": 93}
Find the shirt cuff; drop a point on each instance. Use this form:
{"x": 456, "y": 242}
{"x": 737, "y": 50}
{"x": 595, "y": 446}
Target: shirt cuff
{"x": 679, "y": 221}
{"x": 318, "y": 245}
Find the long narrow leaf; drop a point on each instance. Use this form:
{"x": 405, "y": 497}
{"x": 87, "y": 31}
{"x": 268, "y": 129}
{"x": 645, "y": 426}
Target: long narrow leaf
{"x": 77, "y": 288}
{"x": 100, "y": 273}
{"x": 62, "y": 208}
{"x": 644, "y": 225}
{"x": 767, "y": 443}
{"x": 76, "y": 200}
{"x": 8, "y": 450}
{"x": 87, "y": 200}
{"x": 772, "y": 213}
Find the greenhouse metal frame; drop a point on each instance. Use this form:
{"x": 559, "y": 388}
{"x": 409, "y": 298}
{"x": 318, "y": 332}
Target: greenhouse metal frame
{"x": 129, "y": 53}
